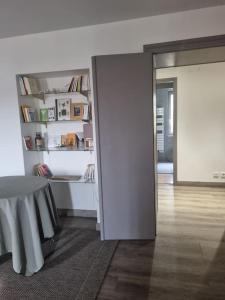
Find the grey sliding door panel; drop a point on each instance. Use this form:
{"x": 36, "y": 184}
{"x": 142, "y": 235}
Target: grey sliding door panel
{"x": 124, "y": 127}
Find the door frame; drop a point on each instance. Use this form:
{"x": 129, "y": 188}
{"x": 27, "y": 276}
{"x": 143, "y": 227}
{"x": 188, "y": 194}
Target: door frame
{"x": 152, "y": 49}
{"x": 175, "y": 46}
{"x": 174, "y": 81}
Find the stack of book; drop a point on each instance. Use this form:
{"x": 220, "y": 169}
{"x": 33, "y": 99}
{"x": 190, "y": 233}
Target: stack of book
{"x": 29, "y": 114}
{"x": 42, "y": 170}
{"x": 29, "y": 86}
{"x": 79, "y": 83}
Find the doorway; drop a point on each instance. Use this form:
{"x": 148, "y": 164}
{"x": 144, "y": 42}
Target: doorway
{"x": 165, "y": 129}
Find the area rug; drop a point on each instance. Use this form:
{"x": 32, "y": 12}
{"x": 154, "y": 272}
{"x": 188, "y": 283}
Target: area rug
{"x": 74, "y": 271}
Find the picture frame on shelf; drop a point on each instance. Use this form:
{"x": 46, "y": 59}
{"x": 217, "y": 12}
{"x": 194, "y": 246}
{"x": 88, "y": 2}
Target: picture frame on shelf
{"x": 76, "y": 111}
{"x": 51, "y": 114}
{"x": 63, "y": 109}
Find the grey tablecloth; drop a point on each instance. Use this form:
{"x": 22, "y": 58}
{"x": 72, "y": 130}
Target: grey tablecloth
{"x": 27, "y": 217}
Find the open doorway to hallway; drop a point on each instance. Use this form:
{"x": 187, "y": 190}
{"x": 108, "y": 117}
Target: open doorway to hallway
{"x": 165, "y": 119}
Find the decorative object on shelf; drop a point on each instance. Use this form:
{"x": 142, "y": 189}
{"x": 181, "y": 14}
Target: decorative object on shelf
{"x": 68, "y": 140}
{"x": 88, "y": 144}
{"x": 80, "y": 136}
{"x": 44, "y": 114}
{"x": 76, "y": 111}
{"x": 54, "y": 141}
{"x": 63, "y": 109}
{"x": 90, "y": 173}
{"x": 39, "y": 141}
{"x": 28, "y": 142}
{"x": 71, "y": 140}
{"x": 51, "y": 114}
{"x": 63, "y": 140}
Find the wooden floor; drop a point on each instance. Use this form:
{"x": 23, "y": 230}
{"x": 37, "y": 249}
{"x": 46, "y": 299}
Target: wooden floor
{"x": 187, "y": 260}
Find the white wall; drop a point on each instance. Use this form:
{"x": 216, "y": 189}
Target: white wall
{"x": 73, "y": 48}
{"x": 200, "y": 120}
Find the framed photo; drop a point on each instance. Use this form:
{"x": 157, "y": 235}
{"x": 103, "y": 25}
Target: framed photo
{"x": 76, "y": 111}
{"x": 63, "y": 109}
{"x": 51, "y": 114}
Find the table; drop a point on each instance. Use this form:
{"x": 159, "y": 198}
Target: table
{"x": 27, "y": 216}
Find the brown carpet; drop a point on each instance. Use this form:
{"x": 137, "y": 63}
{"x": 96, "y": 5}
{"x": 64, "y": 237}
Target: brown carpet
{"x": 75, "y": 270}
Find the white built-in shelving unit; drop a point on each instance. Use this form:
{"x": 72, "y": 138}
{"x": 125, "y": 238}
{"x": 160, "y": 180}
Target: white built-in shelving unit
{"x": 62, "y": 161}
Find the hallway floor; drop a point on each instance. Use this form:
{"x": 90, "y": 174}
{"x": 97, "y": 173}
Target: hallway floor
{"x": 165, "y": 168}
{"x": 187, "y": 260}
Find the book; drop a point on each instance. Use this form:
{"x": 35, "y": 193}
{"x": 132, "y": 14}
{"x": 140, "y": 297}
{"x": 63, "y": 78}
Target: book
{"x": 31, "y": 85}
{"x": 42, "y": 170}
{"x": 51, "y": 114}
{"x": 25, "y": 113}
{"x": 32, "y": 114}
{"x": 66, "y": 177}
{"x": 79, "y": 83}
{"x": 22, "y": 87}
{"x": 85, "y": 83}
{"x": 43, "y": 114}
{"x": 88, "y": 131}
{"x": 27, "y": 85}
{"x": 34, "y": 86}
{"x": 28, "y": 142}
{"x": 86, "y": 112}
{"x": 63, "y": 109}
{"x": 70, "y": 89}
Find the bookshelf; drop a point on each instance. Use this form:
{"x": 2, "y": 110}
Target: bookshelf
{"x": 49, "y": 90}
{"x": 43, "y": 95}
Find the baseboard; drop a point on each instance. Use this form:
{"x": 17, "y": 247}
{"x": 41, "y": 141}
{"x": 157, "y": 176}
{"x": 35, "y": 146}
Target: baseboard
{"x": 77, "y": 213}
{"x": 98, "y": 227}
{"x": 200, "y": 184}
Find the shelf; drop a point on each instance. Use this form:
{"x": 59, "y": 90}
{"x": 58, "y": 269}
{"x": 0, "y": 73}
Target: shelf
{"x": 42, "y": 96}
{"x": 81, "y": 180}
{"x": 57, "y": 121}
{"x": 60, "y": 149}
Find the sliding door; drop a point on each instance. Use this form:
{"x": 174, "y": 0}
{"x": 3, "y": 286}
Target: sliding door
{"x": 124, "y": 127}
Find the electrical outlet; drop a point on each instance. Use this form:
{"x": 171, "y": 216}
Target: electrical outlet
{"x": 222, "y": 175}
{"x": 216, "y": 175}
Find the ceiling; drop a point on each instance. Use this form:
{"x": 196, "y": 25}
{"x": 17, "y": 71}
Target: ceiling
{"x": 19, "y": 17}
